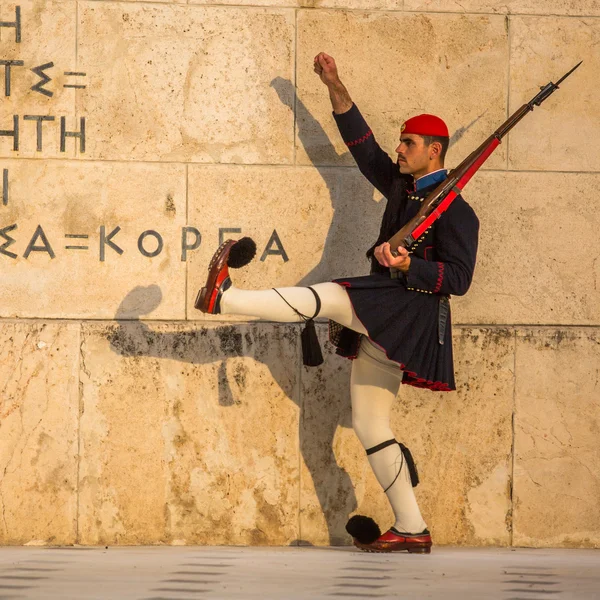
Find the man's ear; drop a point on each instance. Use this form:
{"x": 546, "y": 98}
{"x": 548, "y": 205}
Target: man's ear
{"x": 435, "y": 150}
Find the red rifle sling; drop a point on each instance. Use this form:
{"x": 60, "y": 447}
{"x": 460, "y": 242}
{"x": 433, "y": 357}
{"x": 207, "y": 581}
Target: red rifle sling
{"x": 460, "y": 184}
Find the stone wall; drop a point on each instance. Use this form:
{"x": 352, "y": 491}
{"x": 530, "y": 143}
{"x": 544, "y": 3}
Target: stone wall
{"x": 147, "y": 132}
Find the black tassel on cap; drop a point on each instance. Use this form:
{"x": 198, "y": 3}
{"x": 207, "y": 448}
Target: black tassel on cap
{"x": 311, "y": 349}
{"x": 363, "y": 529}
{"x": 241, "y": 253}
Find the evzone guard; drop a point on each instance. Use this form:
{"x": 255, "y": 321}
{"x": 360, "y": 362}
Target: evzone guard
{"x": 394, "y": 323}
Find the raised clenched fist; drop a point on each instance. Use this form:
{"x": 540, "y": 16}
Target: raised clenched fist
{"x": 326, "y": 68}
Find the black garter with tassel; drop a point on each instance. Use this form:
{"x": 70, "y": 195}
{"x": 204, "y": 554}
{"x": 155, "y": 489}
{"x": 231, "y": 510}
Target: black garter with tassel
{"x": 241, "y": 253}
{"x": 410, "y": 463}
{"x": 311, "y": 349}
{"x": 364, "y": 529}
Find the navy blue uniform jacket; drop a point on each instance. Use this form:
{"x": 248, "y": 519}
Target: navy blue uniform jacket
{"x": 402, "y": 315}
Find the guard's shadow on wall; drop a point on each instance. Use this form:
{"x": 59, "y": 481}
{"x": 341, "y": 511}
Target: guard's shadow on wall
{"x": 320, "y": 414}
{"x": 320, "y": 150}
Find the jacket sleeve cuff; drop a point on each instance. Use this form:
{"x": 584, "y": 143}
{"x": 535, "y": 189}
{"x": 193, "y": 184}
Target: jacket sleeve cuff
{"x": 353, "y": 127}
{"x": 425, "y": 275}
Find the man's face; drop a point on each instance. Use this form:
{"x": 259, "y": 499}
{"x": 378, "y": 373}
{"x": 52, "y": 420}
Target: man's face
{"x": 413, "y": 154}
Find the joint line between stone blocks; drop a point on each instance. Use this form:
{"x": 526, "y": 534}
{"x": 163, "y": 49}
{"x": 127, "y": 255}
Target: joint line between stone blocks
{"x": 295, "y": 84}
{"x": 76, "y": 36}
{"x": 509, "y": 41}
{"x": 513, "y": 449}
{"x": 79, "y": 409}
{"x": 187, "y": 224}
{"x": 300, "y": 418}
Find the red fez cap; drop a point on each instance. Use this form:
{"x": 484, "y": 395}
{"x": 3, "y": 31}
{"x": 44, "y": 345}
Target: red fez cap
{"x": 425, "y": 125}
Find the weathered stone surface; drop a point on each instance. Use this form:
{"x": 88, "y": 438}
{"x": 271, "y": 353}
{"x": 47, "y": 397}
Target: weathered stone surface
{"x": 325, "y": 220}
{"x": 74, "y": 198}
{"x": 552, "y": 136}
{"x": 47, "y": 36}
{"x": 328, "y": 446}
{"x": 189, "y": 435}
{"x": 277, "y": 3}
{"x": 186, "y": 83}
{"x": 538, "y": 253}
{"x": 557, "y": 459}
{"x": 353, "y": 4}
{"x": 460, "y": 440}
{"x": 39, "y": 410}
{"x": 349, "y": 4}
{"x": 554, "y": 7}
{"x": 378, "y": 62}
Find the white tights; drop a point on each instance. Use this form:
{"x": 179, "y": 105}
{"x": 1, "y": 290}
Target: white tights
{"x": 375, "y": 382}
{"x": 268, "y": 305}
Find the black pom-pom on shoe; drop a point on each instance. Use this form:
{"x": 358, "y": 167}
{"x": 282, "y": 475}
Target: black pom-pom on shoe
{"x": 363, "y": 529}
{"x": 241, "y": 253}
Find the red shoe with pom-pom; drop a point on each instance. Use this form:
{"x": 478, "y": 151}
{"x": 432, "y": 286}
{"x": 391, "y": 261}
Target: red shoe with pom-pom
{"x": 397, "y": 541}
{"x": 209, "y": 297}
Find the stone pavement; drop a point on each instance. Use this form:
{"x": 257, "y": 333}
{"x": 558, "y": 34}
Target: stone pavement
{"x": 186, "y": 573}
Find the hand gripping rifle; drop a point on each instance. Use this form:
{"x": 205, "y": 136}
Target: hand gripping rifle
{"x": 440, "y": 199}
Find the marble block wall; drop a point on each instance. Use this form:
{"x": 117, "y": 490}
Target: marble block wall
{"x": 136, "y": 136}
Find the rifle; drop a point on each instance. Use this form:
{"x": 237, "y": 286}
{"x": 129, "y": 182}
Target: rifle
{"x": 438, "y": 201}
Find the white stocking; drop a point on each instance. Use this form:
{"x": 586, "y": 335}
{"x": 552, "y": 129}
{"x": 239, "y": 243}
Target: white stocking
{"x": 268, "y": 305}
{"x": 374, "y": 384}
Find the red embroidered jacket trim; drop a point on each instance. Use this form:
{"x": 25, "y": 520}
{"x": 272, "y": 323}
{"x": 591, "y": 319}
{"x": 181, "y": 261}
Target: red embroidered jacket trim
{"x": 440, "y": 279}
{"x": 361, "y": 140}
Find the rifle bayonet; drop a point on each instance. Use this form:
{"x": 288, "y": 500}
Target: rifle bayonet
{"x": 546, "y": 90}
{"x": 441, "y": 197}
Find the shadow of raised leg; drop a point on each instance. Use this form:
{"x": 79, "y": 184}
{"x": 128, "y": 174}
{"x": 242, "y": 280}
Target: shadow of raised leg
{"x": 190, "y": 342}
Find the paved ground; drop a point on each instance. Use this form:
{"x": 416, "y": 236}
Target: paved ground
{"x": 186, "y": 573}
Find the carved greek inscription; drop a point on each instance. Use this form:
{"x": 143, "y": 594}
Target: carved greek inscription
{"x": 40, "y": 120}
{"x": 9, "y": 240}
{"x": 74, "y": 85}
{"x": 274, "y": 248}
{"x": 225, "y": 231}
{"x": 150, "y": 243}
{"x": 44, "y": 79}
{"x": 5, "y": 187}
{"x": 75, "y": 236}
{"x": 42, "y": 84}
{"x": 64, "y": 134}
{"x": 159, "y": 243}
{"x": 8, "y": 64}
{"x": 16, "y": 24}
{"x": 43, "y": 247}
{"x": 14, "y": 133}
{"x": 185, "y": 241}
{"x": 107, "y": 241}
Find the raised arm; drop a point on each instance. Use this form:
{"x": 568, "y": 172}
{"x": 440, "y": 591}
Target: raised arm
{"x": 373, "y": 162}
